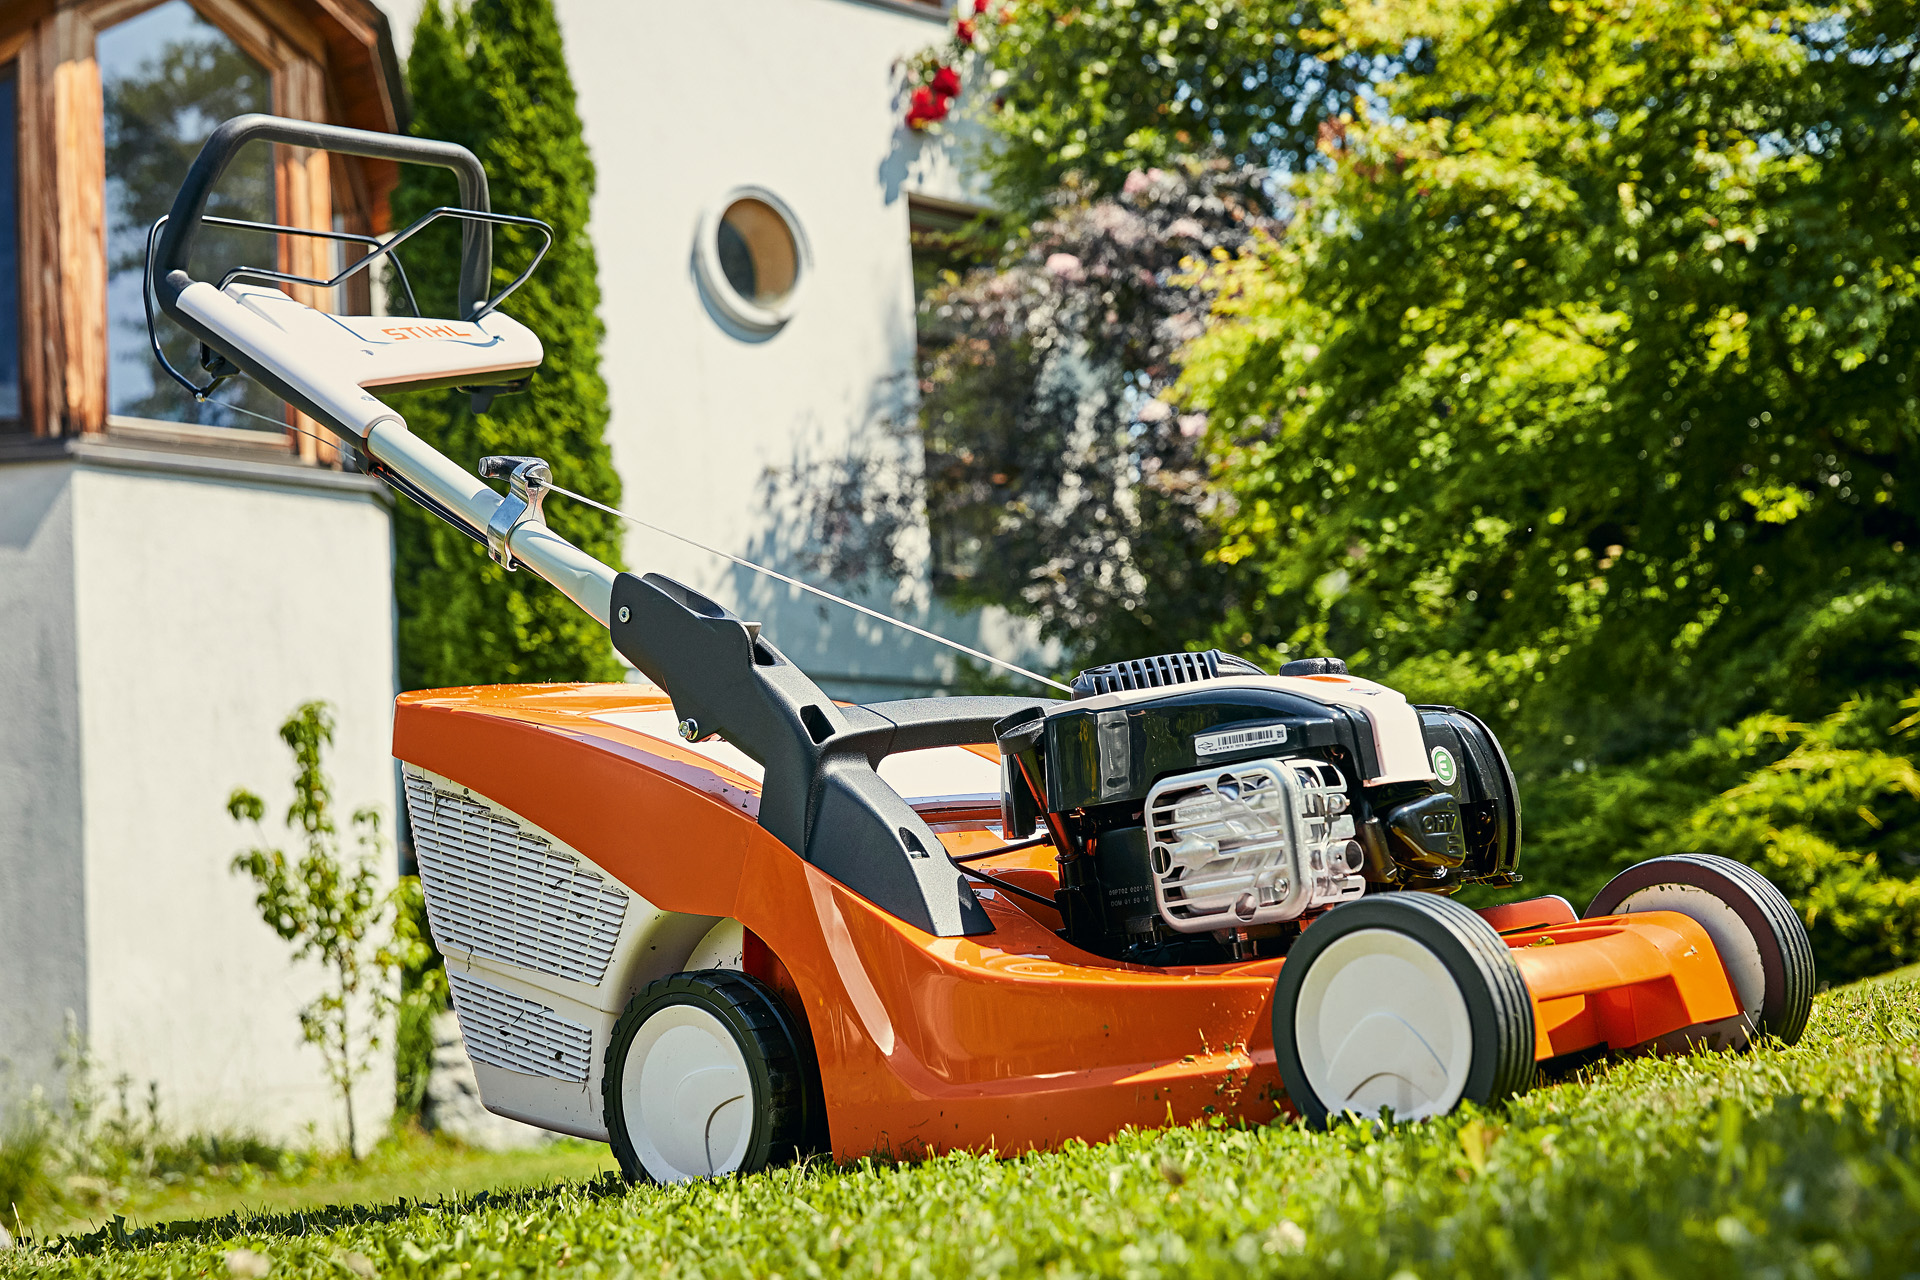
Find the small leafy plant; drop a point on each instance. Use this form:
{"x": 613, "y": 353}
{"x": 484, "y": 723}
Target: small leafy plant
{"x": 328, "y": 906}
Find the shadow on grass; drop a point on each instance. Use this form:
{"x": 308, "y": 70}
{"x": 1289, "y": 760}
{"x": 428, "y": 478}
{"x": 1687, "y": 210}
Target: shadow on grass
{"x": 303, "y": 1222}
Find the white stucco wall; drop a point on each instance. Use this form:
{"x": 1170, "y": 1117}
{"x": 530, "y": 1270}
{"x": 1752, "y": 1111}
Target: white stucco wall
{"x": 203, "y": 610}
{"x": 681, "y": 103}
{"x": 42, "y": 898}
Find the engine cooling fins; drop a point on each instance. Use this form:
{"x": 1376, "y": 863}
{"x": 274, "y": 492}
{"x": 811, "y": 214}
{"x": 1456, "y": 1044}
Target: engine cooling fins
{"x": 1167, "y": 669}
{"x": 1161, "y": 671}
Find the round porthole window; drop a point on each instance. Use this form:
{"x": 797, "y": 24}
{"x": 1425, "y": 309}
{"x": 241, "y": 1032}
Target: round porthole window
{"x": 752, "y": 258}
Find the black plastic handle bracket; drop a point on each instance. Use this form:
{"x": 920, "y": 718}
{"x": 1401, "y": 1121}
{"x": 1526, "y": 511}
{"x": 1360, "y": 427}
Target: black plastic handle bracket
{"x": 820, "y": 795}
{"x": 224, "y": 143}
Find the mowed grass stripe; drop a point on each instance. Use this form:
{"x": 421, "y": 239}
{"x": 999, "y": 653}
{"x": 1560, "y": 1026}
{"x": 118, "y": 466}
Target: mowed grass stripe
{"x": 1778, "y": 1162}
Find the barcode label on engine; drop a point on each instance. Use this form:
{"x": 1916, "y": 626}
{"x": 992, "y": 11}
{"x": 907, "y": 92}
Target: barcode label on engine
{"x": 1225, "y": 740}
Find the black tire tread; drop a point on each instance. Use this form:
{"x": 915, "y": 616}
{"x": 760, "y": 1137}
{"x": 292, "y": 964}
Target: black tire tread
{"x": 1799, "y": 977}
{"x": 1513, "y": 1005}
{"x": 758, "y": 1011}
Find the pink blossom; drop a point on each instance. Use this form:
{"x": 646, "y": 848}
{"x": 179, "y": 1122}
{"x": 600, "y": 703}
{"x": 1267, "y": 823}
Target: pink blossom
{"x": 1065, "y": 266}
{"x": 1155, "y": 411}
{"x": 1192, "y": 424}
{"x": 1136, "y": 183}
{"x": 1185, "y": 229}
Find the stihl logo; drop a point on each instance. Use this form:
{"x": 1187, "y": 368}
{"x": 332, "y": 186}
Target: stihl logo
{"x": 407, "y": 332}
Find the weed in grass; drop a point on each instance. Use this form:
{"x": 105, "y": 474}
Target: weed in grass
{"x": 89, "y": 1153}
{"x": 1775, "y": 1162}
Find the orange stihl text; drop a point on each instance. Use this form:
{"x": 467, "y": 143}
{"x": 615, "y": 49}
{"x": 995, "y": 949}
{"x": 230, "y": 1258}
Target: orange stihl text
{"x": 402, "y": 333}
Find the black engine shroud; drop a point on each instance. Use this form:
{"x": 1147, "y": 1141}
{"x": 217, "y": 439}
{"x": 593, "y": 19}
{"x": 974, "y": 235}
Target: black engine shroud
{"x": 1085, "y": 773}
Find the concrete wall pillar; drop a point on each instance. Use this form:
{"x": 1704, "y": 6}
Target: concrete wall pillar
{"x": 160, "y": 616}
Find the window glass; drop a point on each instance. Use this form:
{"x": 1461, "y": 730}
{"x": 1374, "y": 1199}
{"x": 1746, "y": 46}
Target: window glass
{"x": 752, "y": 260}
{"x": 757, "y": 252}
{"x": 948, "y": 242}
{"x": 168, "y": 77}
{"x": 9, "y": 252}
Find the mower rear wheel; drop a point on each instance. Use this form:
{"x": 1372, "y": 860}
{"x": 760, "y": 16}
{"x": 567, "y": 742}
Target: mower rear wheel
{"x": 702, "y": 1078}
{"x": 1401, "y": 1000}
{"x": 1754, "y": 928}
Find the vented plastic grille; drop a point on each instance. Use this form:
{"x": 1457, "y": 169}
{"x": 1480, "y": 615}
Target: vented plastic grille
{"x": 496, "y": 889}
{"x": 1158, "y": 672}
{"x": 505, "y": 1030}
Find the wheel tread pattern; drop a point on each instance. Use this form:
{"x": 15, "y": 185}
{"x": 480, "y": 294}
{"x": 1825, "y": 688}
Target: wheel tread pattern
{"x": 1513, "y": 1006}
{"x": 1798, "y": 977}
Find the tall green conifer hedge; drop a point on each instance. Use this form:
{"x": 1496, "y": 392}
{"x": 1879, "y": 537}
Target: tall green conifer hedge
{"x": 492, "y": 76}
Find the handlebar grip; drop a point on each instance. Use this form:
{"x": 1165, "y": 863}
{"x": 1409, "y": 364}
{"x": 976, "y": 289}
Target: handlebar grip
{"x": 183, "y": 223}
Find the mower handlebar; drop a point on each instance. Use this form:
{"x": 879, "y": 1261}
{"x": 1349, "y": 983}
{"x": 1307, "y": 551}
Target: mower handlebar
{"x": 183, "y": 223}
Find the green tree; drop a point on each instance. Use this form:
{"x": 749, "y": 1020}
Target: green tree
{"x": 493, "y": 77}
{"x": 1582, "y": 386}
{"x": 329, "y": 907}
{"x": 1829, "y": 811}
{"x": 1096, "y": 89}
{"x": 423, "y": 996}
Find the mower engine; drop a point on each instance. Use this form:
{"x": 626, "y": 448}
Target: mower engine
{"x": 1202, "y": 810}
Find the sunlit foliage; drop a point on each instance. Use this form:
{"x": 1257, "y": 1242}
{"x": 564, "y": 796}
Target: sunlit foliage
{"x": 1583, "y": 380}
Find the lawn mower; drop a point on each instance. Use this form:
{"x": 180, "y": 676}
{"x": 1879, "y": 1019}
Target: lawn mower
{"x": 720, "y": 919}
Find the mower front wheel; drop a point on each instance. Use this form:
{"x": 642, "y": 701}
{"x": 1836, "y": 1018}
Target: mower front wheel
{"x": 1754, "y": 928}
{"x": 702, "y": 1078}
{"x": 1400, "y": 1000}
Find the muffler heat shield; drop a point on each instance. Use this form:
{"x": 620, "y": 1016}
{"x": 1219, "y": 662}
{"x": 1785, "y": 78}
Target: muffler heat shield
{"x": 1254, "y": 843}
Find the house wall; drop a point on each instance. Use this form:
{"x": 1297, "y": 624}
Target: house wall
{"x": 42, "y": 896}
{"x": 681, "y": 103}
{"x": 208, "y": 598}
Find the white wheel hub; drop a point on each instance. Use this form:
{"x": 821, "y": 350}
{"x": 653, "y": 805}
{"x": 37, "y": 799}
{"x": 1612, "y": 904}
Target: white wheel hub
{"x": 1739, "y": 950}
{"x": 1382, "y": 1023}
{"x": 686, "y": 1095}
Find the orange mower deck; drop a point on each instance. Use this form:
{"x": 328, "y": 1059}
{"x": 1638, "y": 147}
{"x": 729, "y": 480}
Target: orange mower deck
{"x": 1011, "y": 1041}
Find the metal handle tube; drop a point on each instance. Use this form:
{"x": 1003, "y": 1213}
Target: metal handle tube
{"x": 176, "y": 239}
{"x": 581, "y": 578}
{"x": 278, "y": 360}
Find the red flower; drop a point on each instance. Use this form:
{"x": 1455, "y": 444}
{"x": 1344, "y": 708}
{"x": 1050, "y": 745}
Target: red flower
{"x": 979, "y": 6}
{"x": 946, "y": 82}
{"x": 963, "y": 30}
{"x": 924, "y": 107}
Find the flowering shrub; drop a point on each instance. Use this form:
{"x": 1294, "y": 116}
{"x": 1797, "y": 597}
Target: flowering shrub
{"x": 1052, "y": 478}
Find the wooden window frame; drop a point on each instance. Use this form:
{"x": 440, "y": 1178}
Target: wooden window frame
{"x": 62, "y": 185}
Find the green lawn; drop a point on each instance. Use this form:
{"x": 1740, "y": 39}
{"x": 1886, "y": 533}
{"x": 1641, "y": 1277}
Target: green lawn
{"x": 1772, "y": 1163}
{"x": 411, "y": 1166}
